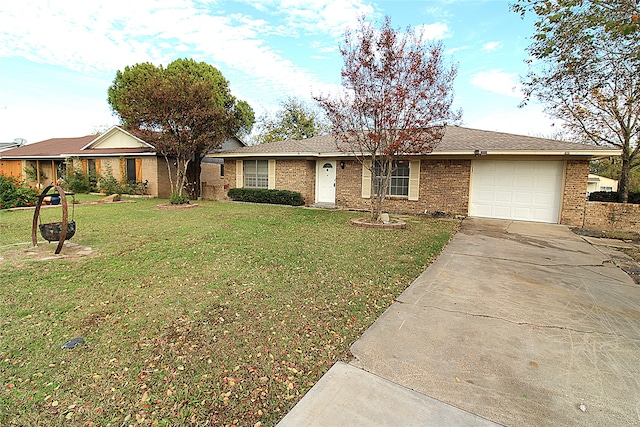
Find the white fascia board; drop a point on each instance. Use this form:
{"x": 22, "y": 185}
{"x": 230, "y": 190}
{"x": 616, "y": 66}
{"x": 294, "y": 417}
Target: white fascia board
{"x": 285, "y": 154}
{"x": 600, "y": 153}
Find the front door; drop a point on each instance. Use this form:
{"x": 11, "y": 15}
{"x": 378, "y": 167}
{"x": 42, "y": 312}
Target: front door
{"x": 326, "y": 188}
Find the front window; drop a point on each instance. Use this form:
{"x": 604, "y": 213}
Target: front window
{"x": 399, "y": 181}
{"x": 256, "y": 173}
{"x": 131, "y": 170}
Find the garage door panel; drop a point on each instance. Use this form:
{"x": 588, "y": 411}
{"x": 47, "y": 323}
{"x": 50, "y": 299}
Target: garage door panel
{"x": 522, "y": 214}
{"x": 524, "y": 182}
{"x": 485, "y": 196}
{"x": 502, "y": 212}
{"x": 520, "y": 190}
{"x": 523, "y": 198}
{"x": 503, "y": 196}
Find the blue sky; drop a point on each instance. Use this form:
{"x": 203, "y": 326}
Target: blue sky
{"x": 57, "y": 58}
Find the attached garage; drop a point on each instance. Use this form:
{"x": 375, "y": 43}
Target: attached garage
{"x": 525, "y": 190}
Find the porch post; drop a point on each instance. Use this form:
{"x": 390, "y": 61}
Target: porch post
{"x": 38, "y": 172}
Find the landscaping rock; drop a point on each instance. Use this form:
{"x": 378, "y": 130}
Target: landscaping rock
{"x": 73, "y": 343}
{"x": 110, "y": 199}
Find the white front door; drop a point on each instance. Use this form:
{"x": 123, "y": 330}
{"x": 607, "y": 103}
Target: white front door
{"x": 326, "y": 185}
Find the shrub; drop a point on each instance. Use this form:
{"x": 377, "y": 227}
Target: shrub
{"x": 178, "y": 199}
{"x": 262, "y": 195}
{"x": 612, "y": 196}
{"x": 77, "y": 181}
{"x": 15, "y": 193}
{"x": 32, "y": 173}
{"x": 108, "y": 184}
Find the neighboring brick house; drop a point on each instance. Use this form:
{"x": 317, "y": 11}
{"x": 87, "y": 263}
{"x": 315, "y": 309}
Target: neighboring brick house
{"x": 116, "y": 151}
{"x": 471, "y": 172}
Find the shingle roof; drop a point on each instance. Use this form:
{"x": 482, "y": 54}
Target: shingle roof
{"x": 456, "y": 140}
{"x": 67, "y": 147}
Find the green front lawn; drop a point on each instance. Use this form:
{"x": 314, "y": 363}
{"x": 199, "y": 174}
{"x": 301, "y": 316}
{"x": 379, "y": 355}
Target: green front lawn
{"x": 223, "y": 314}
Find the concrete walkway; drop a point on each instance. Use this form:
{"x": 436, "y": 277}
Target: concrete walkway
{"x": 516, "y": 323}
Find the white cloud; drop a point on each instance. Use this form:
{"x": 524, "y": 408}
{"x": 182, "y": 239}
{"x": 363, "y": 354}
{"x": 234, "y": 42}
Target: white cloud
{"x": 497, "y": 81}
{"x": 530, "y": 121}
{"x": 492, "y": 46}
{"x": 100, "y": 37}
{"x": 456, "y": 49}
{"x": 435, "y": 31}
{"x": 317, "y": 16}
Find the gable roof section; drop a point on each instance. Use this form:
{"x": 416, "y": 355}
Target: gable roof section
{"x": 62, "y": 148}
{"x": 456, "y": 141}
{"x": 134, "y": 141}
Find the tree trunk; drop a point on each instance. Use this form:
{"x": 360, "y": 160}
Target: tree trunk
{"x": 193, "y": 177}
{"x": 625, "y": 174}
{"x": 377, "y": 197}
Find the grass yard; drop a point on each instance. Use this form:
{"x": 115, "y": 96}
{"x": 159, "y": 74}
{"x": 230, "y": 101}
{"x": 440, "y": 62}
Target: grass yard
{"x": 225, "y": 314}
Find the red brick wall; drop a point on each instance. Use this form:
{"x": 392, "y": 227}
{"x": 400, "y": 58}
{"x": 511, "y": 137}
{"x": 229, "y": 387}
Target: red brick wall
{"x": 444, "y": 187}
{"x": 297, "y": 175}
{"x": 291, "y": 174}
{"x": 574, "y": 195}
{"x": 229, "y": 174}
{"x": 612, "y": 216}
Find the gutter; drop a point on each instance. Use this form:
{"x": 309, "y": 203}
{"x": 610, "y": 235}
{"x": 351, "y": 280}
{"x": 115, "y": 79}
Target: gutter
{"x": 582, "y": 153}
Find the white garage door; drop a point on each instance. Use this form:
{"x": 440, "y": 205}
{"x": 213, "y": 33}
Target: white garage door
{"x": 520, "y": 190}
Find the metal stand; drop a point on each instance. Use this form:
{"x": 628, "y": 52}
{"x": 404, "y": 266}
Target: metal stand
{"x": 65, "y": 217}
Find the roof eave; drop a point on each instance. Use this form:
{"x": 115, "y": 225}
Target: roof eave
{"x": 574, "y": 153}
{"x": 66, "y": 156}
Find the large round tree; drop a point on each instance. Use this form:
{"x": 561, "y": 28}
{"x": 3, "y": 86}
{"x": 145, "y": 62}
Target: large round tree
{"x": 184, "y": 109}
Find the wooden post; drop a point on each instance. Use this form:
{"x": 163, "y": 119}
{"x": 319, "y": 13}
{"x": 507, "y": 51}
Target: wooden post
{"x": 38, "y": 173}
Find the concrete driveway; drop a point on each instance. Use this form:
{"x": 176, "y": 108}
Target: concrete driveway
{"x": 516, "y": 323}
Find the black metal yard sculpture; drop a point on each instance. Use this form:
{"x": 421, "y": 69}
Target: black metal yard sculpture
{"x": 53, "y": 231}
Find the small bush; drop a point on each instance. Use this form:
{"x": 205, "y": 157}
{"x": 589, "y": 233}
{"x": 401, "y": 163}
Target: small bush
{"x": 108, "y": 184}
{"x": 612, "y": 196}
{"x": 77, "y": 181}
{"x": 178, "y": 199}
{"x": 15, "y": 193}
{"x": 32, "y": 174}
{"x": 262, "y": 195}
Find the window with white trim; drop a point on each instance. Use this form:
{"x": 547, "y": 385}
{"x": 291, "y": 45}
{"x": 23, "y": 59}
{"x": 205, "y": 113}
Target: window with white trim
{"x": 256, "y": 173}
{"x": 399, "y": 181}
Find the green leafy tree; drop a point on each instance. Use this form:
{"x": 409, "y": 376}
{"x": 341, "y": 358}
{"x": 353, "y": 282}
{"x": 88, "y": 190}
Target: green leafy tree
{"x": 294, "y": 120}
{"x": 611, "y": 168}
{"x": 585, "y": 69}
{"x": 184, "y": 110}
{"x": 396, "y": 101}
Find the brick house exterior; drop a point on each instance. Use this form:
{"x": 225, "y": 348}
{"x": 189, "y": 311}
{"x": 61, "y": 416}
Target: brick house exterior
{"x": 448, "y": 180}
{"x": 115, "y": 152}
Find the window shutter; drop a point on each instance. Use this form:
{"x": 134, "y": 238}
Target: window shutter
{"x": 123, "y": 168}
{"x": 366, "y": 179}
{"x": 414, "y": 179}
{"x": 85, "y": 167}
{"x": 139, "y": 170}
{"x": 239, "y": 174}
{"x": 272, "y": 174}
{"x": 98, "y": 170}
